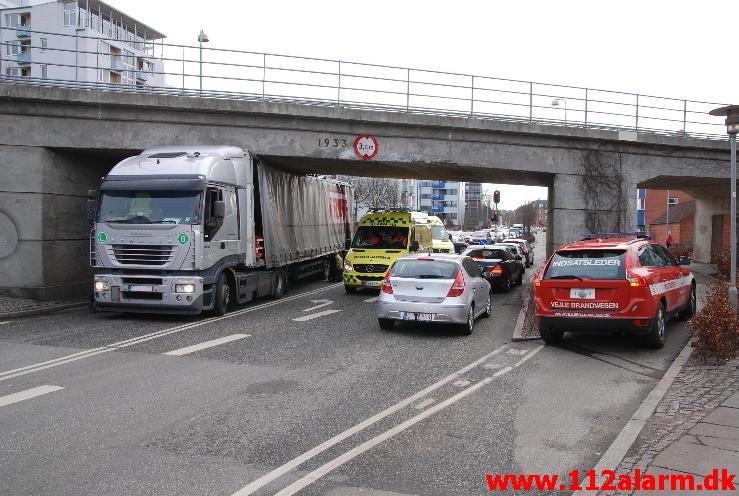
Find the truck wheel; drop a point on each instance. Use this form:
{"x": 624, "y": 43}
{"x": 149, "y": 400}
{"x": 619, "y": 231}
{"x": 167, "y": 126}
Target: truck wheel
{"x": 279, "y": 284}
{"x": 350, "y": 289}
{"x": 549, "y": 335}
{"x": 327, "y": 269}
{"x": 656, "y": 337}
{"x": 222, "y": 296}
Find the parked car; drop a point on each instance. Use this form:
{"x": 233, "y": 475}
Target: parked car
{"x": 436, "y": 289}
{"x": 528, "y": 249}
{"x": 613, "y": 284}
{"x": 498, "y": 265}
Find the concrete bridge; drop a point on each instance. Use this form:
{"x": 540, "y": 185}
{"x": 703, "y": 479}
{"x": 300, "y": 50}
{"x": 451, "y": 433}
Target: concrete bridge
{"x": 56, "y": 143}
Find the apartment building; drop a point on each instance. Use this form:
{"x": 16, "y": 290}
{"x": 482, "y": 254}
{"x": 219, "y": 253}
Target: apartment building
{"x": 81, "y": 41}
{"x": 476, "y": 214}
{"x": 443, "y": 198}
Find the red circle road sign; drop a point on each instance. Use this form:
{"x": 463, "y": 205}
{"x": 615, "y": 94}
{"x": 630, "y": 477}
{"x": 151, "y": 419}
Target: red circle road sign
{"x": 366, "y": 146}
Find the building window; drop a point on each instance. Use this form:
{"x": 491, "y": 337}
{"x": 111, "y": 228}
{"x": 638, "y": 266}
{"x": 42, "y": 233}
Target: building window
{"x": 13, "y": 48}
{"x": 641, "y": 203}
{"x": 44, "y": 71}
{"x": 70, "y": 14}
{"x": 672, "y": 200}
{"x": 13, "y": 71}
{"x": 44, "y": 44}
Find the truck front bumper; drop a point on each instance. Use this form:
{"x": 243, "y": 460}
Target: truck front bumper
{"x": 149, "y": 294}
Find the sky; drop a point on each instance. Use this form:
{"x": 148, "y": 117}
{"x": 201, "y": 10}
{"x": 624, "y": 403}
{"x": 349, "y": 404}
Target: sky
{"x": 666, "y": 48}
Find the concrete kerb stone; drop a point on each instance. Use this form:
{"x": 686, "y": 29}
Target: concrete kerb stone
{"x": 612, "y": 458}
{"x": 41, "y": 310}
{"x": 521, "y": 320}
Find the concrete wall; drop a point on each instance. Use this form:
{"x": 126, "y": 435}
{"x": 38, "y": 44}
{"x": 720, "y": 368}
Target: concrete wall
{"x": 705, "y": 208}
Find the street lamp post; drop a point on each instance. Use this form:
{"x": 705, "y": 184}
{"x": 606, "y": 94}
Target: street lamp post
{"x": 731, "y": 113}
{"x": 557, "y": 101}
{"x": 202, "y": 38}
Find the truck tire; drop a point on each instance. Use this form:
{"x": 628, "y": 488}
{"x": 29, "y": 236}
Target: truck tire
{"x": 279, "y": 284}
{"x": 327, "y": 269}
{"x": 222, "y": 296}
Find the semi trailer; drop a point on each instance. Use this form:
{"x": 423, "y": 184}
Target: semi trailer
{"x": 187, "y": 229}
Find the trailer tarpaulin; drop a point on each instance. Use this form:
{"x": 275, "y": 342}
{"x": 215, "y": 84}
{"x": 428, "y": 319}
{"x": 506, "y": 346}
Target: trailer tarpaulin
{"x": 303, "y": 217}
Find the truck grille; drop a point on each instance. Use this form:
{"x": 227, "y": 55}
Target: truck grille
{"x": 370, "y": 268}
{"x": 142, "y": 254}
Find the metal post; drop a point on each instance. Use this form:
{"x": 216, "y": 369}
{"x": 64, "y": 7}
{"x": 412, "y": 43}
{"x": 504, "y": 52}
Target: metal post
{"x": 338, "y": 89}
{"x": 667, "y": 219}
{"x": 183, "y": 70}
{"x": 732, "y": 287}
{"x": 201, "y": 68}
{"x": 472, "y": 97}
{"x": 685, "y": 116}
{"x": 636, "y": 123}
{"x": 408, "y": 91}
{"x": 264, "y": 72}
{"x": 586, "y": 107}
{"x": 531, "y": 101}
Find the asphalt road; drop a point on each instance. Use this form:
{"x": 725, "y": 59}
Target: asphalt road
{"x": 329, "y": 405}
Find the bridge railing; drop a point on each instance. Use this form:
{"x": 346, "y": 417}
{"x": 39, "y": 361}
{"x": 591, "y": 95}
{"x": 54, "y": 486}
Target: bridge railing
{"x": 82, "y": 61}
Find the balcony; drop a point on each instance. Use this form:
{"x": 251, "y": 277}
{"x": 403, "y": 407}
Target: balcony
{"x": 23, "y": 58}
{"x": 438, "y": 184}
{"x": 437, "y": 197}
{"x": 142, "y": 75}
{"x": 23, "y": 32}
{"x": 116, "y": 65}
{"x": 437, "y": 209}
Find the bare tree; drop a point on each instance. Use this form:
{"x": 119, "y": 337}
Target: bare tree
{"x": 378, "y": 192}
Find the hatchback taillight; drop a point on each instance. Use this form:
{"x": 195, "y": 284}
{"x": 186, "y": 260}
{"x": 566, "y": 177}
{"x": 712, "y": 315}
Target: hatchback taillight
{"x": 497, "y": 270}
{"x": 386, "y": 286}
{"x": 457, "y": 288}
{"x": 635, "y": 281}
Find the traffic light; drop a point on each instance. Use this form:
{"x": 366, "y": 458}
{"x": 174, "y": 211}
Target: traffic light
{"x": 494, "y": 218}
{"x": 496, "y": 197}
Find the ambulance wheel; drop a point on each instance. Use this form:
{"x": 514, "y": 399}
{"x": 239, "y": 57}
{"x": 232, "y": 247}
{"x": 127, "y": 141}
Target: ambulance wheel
{"x": 689, "y": 311}
{"x": 656, "y": 337}
{"x": 549, "y": 335}
{"x": 350, "y": 289}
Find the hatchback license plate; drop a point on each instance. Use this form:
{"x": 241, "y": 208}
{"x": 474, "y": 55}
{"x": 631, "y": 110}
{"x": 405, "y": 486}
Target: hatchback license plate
{"x": 424, "y": 317}
{"x": 140, "y": 289}
{"x": 582, "y": 293}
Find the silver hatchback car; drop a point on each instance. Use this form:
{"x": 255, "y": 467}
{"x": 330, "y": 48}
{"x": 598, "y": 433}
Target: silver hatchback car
{"x": 435, "y": 288}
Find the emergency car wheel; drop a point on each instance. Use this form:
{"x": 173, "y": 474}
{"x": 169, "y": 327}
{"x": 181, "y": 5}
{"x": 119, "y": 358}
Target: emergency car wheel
{"x": 386, "y": 324}
{"x": 350, "y": 289}
{"x": 549, "y": 335}
{"x": 223, "y": 296}
{"x": 690, "y": 309}
{"x": 656, "y": 337}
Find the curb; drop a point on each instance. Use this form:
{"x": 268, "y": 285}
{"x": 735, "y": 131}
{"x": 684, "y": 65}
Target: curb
{"x": 616, "y": 452}
{"x": 522, "y": 318}
{"x": 42, "y": 310}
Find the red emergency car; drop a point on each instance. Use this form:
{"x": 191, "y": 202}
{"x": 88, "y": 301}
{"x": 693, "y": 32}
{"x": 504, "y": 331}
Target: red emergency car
{"x": 611, "y": 284}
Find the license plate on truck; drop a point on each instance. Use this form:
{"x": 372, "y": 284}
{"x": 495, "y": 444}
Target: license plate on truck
{"x": 371, "y": 284}
{"x": 140, "y": 289}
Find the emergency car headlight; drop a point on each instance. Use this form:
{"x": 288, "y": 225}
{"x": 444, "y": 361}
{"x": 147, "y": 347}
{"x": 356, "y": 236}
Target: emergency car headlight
{"x": 101, "y": 285}
{"x": 184, "y": 288}
{"x": 348, "y": 265}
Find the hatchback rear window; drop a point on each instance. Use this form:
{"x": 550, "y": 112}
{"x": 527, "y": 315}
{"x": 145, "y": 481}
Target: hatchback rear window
{"x": 587, "y": 264}
{"x": 486, "y": 254}
{"x": 425, "y": 269}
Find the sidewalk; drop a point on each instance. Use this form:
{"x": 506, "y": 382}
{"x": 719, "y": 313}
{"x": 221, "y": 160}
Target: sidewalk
{"x": 694, "y": 429}
{"x": 21, "y": 307}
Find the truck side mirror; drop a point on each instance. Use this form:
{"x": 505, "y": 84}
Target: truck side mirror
{"x": 684, "y": 260}
{"x": 219, "y": 209}
{"x": 414, "y": 245}
{"x": 92, "y": 193}
{"x": 91, "y": 210}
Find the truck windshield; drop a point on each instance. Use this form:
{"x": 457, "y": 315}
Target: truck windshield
{"x": 150, "y": 207}
{"x": 380, "y": 237}
{"x": 438, "y": 232}
{"x": 587, "y": 264}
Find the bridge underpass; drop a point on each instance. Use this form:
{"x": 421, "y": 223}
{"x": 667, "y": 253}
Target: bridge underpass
{"x": 59, "y": 142}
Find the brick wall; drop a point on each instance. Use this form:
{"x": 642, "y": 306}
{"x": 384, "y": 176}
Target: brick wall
{"x": 656, "y": 203}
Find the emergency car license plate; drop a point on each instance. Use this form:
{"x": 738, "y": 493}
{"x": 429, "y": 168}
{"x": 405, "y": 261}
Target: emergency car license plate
{"x": 140, "y": 289}
{"x": 582, "y": 293}
{"x": 371, "y": 284}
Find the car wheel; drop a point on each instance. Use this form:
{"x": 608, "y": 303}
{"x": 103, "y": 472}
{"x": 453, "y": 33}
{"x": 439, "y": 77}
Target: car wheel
{"x": 489, "y": 307}
{"x": 506, "y": 285}
{"x": 549, "y": 335}
{"x": 222, "y": 296}
{"x": 469, "y": 326}
{"x": 519, "y": 281}
{"x": 279, "y": 286}
{"x": 656, "y": 337}
{"x": 386, "y": 324}
{"x": 691, "y": 308}
{"x": 350, "y": 289}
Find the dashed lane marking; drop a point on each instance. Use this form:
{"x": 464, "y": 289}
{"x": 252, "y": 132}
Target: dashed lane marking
{"x": 315, "y": 315}
{"x": 207, "y": 344}
{"x": 27, "y": 394}
{"x": 425, "y": 403}
{"x": 6, "y": 322}
{"x": 372, "y": 300}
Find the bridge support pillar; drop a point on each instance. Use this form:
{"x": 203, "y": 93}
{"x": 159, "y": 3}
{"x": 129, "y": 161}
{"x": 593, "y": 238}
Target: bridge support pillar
{"x": 711, "y": 221}
{"x": 44, "y": 247}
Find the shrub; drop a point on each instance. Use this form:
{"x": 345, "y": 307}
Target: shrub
{"x": 716, "y": 326}
{"x": 680, "y": 251}
{"x": 723, "y": 265}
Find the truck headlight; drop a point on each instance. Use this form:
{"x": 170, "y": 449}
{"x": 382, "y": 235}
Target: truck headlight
{"x": 347, "y": 265}
{"x": 101, "y": 285}
{"x": 184, "y": 288}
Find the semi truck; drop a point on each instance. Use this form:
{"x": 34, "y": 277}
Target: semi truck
{"x": 187, "y": 229}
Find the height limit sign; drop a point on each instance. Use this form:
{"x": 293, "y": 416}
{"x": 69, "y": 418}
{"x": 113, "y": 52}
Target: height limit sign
{"x": 366, "y": 146}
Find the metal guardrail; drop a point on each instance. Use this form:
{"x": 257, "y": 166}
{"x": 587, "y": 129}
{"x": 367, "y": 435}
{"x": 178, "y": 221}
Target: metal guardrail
{"x": 206, "y": 72}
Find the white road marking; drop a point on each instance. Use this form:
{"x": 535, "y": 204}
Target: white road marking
{"x": 379, "y": 439}
{"x": 254, "y": 486}
{"x": 425, "y": 403}
{"x": 9, "y": 374}
{"x": 462, "y": 383}
{"x": 493, "y": 365}
{"x": 27, "y": 394}
{"x": 323, "y": 303}
{"x": 514, "y": 351}
{"x": 315, "y": 315}
{"x": 6, "y": 322}
{"x": 372, "y": 300}
{"x": 207, "y": 344}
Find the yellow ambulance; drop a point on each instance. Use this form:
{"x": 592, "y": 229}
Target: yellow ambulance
{"x": 440, "y": 241}
{"x": 382, "y": 236}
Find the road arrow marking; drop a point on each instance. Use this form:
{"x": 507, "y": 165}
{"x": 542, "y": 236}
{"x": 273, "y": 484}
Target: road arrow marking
{"x": 323, "y": 303}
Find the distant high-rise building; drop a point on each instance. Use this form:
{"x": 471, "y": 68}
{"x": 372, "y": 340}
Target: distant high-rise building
{"x": 475, "y": 215}
{"x": 443, "y": 198}
{"x": 81, "y": 41}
